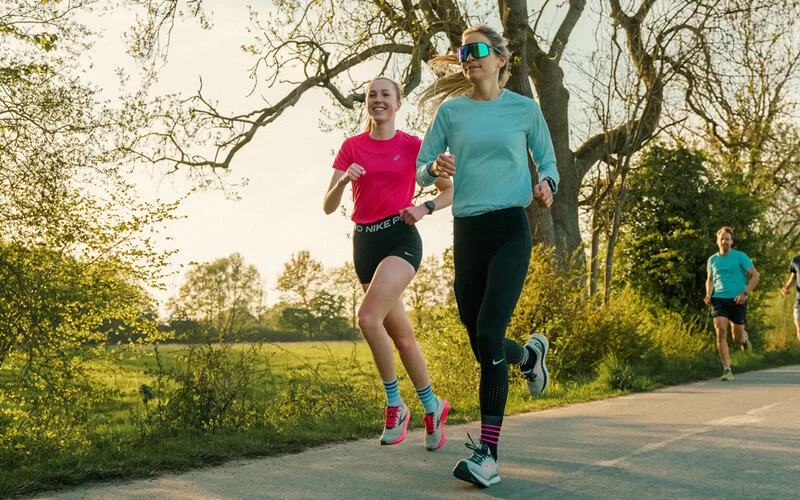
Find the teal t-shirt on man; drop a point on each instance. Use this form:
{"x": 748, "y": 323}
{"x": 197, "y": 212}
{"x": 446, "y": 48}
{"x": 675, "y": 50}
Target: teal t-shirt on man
{"x": 729, "y": 273}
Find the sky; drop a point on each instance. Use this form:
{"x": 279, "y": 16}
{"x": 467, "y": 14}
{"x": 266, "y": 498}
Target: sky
{"x": 287, "y": 165}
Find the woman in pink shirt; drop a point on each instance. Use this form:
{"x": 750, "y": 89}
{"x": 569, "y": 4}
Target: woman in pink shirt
{"x": 380, "y": 164}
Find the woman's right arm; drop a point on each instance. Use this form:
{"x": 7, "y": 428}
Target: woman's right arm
{"x": 333, "y": 198}
{"x": 434, "y": 143}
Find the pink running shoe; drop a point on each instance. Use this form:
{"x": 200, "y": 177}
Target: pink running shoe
{"x": 434, "y": 425}
{"x": 394, "y": 430}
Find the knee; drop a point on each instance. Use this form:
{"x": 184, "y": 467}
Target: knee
{"x": 491, "y": 348}
{"x": 368, "y": 321}
{"x": 404, "y": 342}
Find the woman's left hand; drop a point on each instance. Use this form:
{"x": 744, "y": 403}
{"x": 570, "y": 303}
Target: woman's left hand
{"x": 412, "y": 215}
{"x": 543, "y": 195}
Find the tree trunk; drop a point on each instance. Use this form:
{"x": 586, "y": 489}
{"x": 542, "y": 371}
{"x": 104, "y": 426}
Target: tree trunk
{"x": 593, "y": 259}
{"x": 515, "y": 21}
{"x": 612, "y": 240}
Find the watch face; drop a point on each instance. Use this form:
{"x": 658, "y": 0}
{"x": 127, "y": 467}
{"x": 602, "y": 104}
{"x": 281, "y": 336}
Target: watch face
{"x": 430, "y": 206}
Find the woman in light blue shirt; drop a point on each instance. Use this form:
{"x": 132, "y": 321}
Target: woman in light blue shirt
{"x": 489, "y": 132}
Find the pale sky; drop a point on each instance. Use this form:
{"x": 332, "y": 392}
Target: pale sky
{"x": 288, "y": 163}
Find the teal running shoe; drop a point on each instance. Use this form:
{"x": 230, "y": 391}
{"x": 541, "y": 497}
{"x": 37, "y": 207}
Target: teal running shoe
{"x": 480, "y": 468}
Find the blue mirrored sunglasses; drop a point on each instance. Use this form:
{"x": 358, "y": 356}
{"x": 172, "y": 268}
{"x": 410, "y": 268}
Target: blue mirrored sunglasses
{"x": 477, "y": 49}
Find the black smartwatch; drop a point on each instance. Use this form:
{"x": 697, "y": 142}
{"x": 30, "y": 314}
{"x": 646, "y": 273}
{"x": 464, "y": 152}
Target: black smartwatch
{"x": 431, "y": 206}
{"x": 551, "y": 183}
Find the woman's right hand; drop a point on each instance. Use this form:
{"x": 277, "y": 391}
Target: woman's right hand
{"x": 444, "y": 166}
{"x": 354, "y": 171}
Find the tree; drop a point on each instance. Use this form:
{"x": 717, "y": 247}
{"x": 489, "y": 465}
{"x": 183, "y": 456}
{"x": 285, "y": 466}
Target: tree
{"x": 428, "y": 291}
{"x": 322, "y": 320}
{"x": 345, "y": 281}
{"x": 76, "y": 244}
{"x": 749, "y": 124}
{"x": 675, "y": 205}
{"x": 301, "y": 279}
{"x": 323, "y": 45}
{"x": 226, "y": 294}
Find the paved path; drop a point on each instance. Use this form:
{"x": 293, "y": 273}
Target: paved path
{"x": 711, "y": 439}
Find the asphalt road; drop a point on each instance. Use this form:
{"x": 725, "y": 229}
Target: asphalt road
{"x": 712, "y": 439}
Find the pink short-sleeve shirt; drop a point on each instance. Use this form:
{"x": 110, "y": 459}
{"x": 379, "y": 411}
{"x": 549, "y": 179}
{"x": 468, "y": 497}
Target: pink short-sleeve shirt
{"x": 388, "y": 184}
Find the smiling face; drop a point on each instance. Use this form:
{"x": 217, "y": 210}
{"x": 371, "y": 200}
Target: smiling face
{"x": 382, "y": 100}
{"x": 724, "y": 242}
{"x": 483, "y": 68}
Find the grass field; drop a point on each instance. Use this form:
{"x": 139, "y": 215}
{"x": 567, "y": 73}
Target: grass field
{"x": 304, "y": 395}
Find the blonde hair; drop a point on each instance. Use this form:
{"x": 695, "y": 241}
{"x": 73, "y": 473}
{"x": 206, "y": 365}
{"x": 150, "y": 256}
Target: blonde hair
{"x": 723, "y": 230}
{"x": 398, "y": 92}
{"x": 451, "y": 80}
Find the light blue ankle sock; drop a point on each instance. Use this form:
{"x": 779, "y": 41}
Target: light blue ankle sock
{"x": 427, "y": 399}
{"x": 393, "y": 393}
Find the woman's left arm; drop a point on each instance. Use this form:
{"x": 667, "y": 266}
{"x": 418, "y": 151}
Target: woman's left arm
{"x": 541, "y": 145}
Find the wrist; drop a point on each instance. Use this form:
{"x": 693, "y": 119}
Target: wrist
{"x": 430, "y": 206}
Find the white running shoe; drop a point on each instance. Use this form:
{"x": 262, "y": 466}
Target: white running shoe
{"x": 537, "y": 376}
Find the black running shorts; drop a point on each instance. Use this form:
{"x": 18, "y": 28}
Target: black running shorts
{"x": 736, "y": 313}
{"x": 374, "y": 242}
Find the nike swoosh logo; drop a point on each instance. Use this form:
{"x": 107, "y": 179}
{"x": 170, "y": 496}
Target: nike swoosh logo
{"x": 409, "y": 254}
{"x": 497, "y": 362}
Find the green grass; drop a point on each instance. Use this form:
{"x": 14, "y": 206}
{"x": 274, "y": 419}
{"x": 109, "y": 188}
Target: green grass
{"x": 116, "y": 453}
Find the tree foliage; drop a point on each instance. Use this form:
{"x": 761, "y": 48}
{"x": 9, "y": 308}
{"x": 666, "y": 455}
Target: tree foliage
{"x": 676, "y": 203}
{"x": 302, "y": 278}
{"x": 662, "y": 53}
{"x": 226, "y": 294}
{"x": 313, "y": 307}
{"x": 78, "y": 248}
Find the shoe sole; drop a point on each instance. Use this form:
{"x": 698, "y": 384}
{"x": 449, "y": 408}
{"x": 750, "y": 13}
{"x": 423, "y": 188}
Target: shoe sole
{"x": 545, "y": 347}
{"x": 462, "y": 472}
{"x": 403, "y": 435}
{"x": 444, "y": 417}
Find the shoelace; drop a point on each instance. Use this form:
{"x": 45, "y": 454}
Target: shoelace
{"x": 480, "y": 452}
{"x": 392, "y": 415}
{"x": 428, "y": 421}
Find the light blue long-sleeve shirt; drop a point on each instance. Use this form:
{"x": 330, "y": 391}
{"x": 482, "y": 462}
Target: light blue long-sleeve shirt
{"x": 490, "y": 140}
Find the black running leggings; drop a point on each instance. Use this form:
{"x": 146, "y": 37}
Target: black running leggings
{"x": 491, "y": 253}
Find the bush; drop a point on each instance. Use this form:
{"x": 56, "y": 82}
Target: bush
{"x": 451, "y": 364}
{"x": 211, "y": 387}
{"x": 215, "y": 387}
{"x": 581, "y": 332}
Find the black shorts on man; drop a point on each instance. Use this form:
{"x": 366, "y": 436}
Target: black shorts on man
{"x": 728, "y": 308}
{"x": 387, "y": 237}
